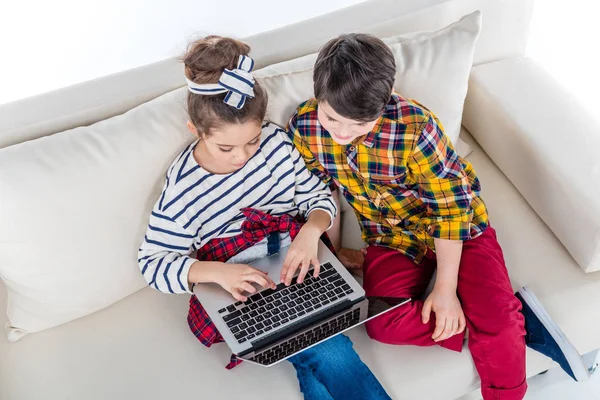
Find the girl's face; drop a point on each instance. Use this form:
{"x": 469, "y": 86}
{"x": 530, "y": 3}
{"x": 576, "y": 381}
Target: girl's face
{"x": 228, "y": 147}
{"x": 343, "y": 130}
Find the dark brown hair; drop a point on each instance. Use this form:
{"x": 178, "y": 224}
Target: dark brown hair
{"x": 354, "y": 74}
{"x": 205, "y": 61}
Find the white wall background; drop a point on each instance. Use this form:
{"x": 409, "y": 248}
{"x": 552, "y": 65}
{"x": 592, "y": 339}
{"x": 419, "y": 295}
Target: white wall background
{"x": 45, "y": 45}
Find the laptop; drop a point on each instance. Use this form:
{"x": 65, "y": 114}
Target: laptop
{"x": 275, "y": 324}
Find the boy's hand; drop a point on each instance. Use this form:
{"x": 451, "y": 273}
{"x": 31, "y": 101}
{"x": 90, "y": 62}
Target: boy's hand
{"x": 238, "y": 278}
{"x": 450, "y": 319}
{"x": 352, "y": 259}
{"x": 302, "y": 253}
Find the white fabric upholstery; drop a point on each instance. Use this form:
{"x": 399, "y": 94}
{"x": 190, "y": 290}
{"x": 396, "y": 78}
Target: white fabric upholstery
{"x": 542, "y": 140}
{"x": 141, "y": 346}
{"x": 74, "y": 209}
{"x": 504, "y": 34}
{"x": 432, "y": 67}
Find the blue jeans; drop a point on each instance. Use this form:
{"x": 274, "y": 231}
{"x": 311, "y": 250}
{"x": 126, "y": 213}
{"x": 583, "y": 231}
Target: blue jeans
{"x": 332, "y": 370}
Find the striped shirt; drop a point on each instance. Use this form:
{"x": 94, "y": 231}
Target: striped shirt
{"x": 196, "y": 206}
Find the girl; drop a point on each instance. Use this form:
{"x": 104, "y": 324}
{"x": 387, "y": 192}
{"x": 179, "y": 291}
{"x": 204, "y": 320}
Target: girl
{"x": 230, "y": 195}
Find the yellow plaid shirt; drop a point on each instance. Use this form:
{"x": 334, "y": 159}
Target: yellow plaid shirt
{"x": 404, "y": 179}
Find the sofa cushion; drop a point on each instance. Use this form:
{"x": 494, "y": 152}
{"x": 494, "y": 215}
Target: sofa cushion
{"x": 74, "y": 207}
{"x": 141, "y": 347}
{"x": 432, "y": 67}
{"x": 549, "y": 151}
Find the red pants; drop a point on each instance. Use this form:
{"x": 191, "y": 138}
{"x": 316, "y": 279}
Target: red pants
{"x": 496, "y": 327}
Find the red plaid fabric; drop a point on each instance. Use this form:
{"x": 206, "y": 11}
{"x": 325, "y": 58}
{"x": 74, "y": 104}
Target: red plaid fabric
{"x": 254, "y": 229}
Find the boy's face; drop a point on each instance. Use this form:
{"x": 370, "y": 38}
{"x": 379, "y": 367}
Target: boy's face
{"x": 343, "y": 130}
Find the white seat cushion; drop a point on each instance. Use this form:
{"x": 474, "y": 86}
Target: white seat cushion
{"x": 141, "y": 347}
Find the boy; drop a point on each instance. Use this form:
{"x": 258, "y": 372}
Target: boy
{"x": 419, "y": 209}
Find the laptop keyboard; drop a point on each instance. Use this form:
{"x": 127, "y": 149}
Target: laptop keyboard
{"x": 308, "y": 338}
{"x": 272, "y": 308}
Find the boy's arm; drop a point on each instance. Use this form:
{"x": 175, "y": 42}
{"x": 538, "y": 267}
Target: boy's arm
{"x": 446, "y": 192}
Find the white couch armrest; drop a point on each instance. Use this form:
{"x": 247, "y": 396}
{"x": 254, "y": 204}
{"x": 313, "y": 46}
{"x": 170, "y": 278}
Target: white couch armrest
{"x": 546, "y": 144}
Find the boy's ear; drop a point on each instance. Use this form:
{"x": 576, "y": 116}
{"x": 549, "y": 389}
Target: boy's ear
{"x": 192, "y": 129}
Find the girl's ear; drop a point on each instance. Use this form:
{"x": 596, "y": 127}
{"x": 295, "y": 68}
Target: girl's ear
{"x": 193, "y": 129}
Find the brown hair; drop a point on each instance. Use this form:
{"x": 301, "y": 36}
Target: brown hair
{"x": 205, "y": 60}
{"x": 354, "y": 74}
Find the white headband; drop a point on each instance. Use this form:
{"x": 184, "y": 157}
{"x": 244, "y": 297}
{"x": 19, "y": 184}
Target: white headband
{"x": 237, "y": 83}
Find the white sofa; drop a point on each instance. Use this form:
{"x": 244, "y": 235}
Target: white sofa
{"x": 141, "y": 347}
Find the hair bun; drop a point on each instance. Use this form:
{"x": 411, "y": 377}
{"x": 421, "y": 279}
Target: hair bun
{"x": 206, "y": 58}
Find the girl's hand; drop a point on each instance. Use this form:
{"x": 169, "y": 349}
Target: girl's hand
{"x": 238, "y": 278}
{"x": 450, "y": 319}
{"x": 302, "y": 253}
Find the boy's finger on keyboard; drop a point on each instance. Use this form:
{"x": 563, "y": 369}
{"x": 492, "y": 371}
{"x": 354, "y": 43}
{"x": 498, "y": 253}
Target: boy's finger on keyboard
{"x": 237, "y": 295}
{"x": 259, "y": 279}
{"x": 291, "y": 271}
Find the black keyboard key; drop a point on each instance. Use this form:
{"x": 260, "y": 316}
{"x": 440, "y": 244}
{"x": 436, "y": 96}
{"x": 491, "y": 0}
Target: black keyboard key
{"x": 240, "y": 335}
{"x": 309, "y": 309}
{"x": 334, "y": 278}
{"x": 293, "y": 316}
{"x": 268, "y": 328}
{"x": 294, "y": 296}
{"x": 231, "y": 316}
{"x": 314, "y": 294}
{"x": 243, "y": 325}
{"x": 322, "y": 297}
{"x": 330, "y": 287}
{"x": 339, "y": 282}
{"x": 235, "y": 329}
{"x": 318, "y": 306}
{"x": 280, "y": 286}
{"x": 267, "y": 314}
{"x": 231, "y": 308}
{"x": 234, "y": 322}
{"x": 275, "y": 319}
{"x": 299, "y": 307}
{"x": 322, "y": 290}
{"x": 327, "y": 273}
{"x": 276, "y": 311}
{"x": 262, "y": 302}
{"x": 245, "y": 310}
{"x": 285, "y": 300}
{"x": 239, "y": 303}
{"x": 285, "y": 320}
{"x": 301, "y": 292}
{"x": 341, "y": 295}
{"x": 283, "y": 314}
{"x": 331, "y": 295}
{"x": 301, "y": 313}
{"x": 222, "y": 310}
{"x": 346, "y": 287}
{"x": 253, "y": 306}
{"x": 326, "y": 302}
{"x": 285, "y": 292}
{"x": 259, "y": 332}
{"x": 293, "y": 289}
{"x": 307, "y": 297}
{"x": 261, "y": 310}
{"x": 259, "y": 326}
{"x": 251, "y": 329}
{"x": 276, "y": 324}
{"x": 283, "y": 308}
{"x": 349, "y": 291}
{"x": 277, "y": 303}
{"x": 253, "y": 314}
{"x": 248, "y": 301}
{"x": 277, "y": 296}
{"x": 315, "y": 301}
{"x": 242, "y": 340}
{"x": 259, "y": 318}
{"x": 269, "y": 306}
{"x": 256, "y": 297}
{"x": 267, "y": 292}
{"x": 326, "y": 267}
{"x": 338, "y": 290}
{"x": 252, "y": 335}
{"x": 245, "y": 317}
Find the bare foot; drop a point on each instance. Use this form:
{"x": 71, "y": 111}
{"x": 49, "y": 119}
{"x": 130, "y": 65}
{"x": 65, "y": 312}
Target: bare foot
{"x": 353, "y": 260}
